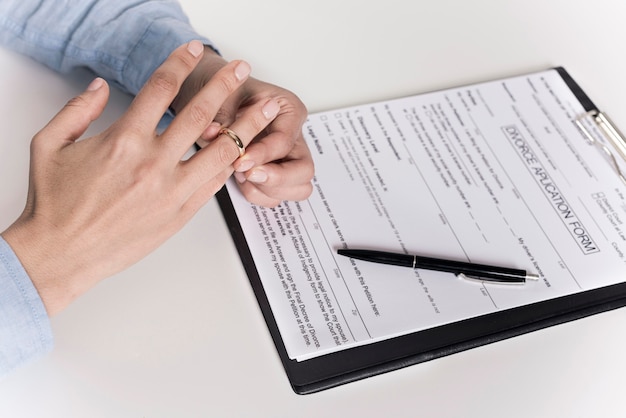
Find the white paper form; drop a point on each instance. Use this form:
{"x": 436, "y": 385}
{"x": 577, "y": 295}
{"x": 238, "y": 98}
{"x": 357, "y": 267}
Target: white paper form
{"x": 494, "y": 173}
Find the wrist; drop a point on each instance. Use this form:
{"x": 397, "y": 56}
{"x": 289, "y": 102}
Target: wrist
{"x": 42, "y": 255}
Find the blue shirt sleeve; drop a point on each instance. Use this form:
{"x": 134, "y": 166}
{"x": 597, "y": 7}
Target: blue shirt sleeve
{"x": 25, "y": 332}
{"x": 123, "y": 41}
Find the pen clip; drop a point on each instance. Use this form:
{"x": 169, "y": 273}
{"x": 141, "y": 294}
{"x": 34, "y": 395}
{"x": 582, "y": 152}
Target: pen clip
{"x": 464, "y": 276}
{"x": 482, "y": 280}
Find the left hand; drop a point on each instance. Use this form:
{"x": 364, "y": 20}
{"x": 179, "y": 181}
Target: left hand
{"x": 277, "y": 165}
{"x": 97, "y": 205}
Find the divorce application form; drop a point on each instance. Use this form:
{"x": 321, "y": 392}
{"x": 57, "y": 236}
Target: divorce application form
{"x": 494, "y": 173}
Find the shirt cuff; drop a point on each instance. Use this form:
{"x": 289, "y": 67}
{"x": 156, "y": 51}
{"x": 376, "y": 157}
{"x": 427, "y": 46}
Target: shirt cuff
{"x": 161, "y": 37}
{"x": 25, "y": 331}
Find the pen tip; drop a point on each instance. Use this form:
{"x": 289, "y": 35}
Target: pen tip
{"x": 530, "y": 276}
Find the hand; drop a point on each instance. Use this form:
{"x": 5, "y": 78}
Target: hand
{"x": 277, "y": 165}
{"x": 98, "y": 205}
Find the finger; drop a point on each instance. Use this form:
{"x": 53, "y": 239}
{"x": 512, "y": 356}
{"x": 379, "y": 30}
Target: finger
{"x": 227, "y": 114}
{"x": 298, "y": 191}
{"x": 73, "y": 120}
{"x": 202, "y": 195}
{"x": 198, "y": 114}
{"x": 295, "y": 168}
{"x": 258, "y": 195}
{"x": 220, "y": 154}
{"x": 209, "y": 134}
{"x": 157, "y": 94}
{"x": 255, "y": 196}
{"x": 283, "y": 134}
{"x": 272, "y": 183}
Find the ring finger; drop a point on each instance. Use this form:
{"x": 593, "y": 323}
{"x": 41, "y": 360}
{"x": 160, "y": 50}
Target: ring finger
{"x": 220, "y": 154}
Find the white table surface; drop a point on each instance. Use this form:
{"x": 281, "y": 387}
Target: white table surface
{"x": 180, "y": 333}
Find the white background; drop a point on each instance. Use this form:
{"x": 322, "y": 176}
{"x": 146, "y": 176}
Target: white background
{"x": 180, "y": 334}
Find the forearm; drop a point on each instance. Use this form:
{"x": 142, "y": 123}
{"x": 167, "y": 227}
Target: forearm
{"x": 123, "y": 41}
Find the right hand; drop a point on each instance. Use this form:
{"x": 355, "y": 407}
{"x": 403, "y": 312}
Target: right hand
{"x": 278, "y": 164}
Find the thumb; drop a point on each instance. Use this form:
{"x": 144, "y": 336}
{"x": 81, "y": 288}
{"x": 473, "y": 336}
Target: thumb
{"x": 73, "y": 120}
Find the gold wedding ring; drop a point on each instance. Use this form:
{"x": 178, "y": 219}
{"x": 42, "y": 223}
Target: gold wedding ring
{"x": 235, "y": 139}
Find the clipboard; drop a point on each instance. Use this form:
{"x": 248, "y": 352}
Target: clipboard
{"x": 337, "y": 368}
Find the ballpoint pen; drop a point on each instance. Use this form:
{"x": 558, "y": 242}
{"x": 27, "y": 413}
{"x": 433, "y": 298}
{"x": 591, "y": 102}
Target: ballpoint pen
{"x": 472, "y": 270}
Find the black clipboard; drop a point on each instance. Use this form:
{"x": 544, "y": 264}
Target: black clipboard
{"x": 356, "y": 363}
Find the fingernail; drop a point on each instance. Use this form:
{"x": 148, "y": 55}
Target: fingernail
{"x": 244, "y": 165}
{"x": 240, "y": 177}
{"x": 257, "y": 176}
{"x": 270, "y": 109}
{"x": 202, "y": 142}
{"x": 195, "y": 48}
{"x": 242, "y": 70}
{"x": 95, "y": 84}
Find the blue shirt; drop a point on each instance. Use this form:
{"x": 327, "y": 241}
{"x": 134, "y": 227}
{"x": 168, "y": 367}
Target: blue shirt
{"x": 123, "y": 41}
{"x": 25, "y": 332}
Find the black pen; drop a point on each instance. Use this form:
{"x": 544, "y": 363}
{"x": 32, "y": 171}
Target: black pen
{"x": 470, "y": 270}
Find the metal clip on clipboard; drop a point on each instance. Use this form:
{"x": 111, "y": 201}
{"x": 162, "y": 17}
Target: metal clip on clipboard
{"x": 610, "y": 131}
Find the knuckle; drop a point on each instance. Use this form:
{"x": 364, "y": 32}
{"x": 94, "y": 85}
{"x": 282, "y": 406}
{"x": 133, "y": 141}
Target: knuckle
{"x": 120, "y": 150}
{"x": 187, "y": 61}
{"x": 282, "y": 147}
{"x": 303, "y": 112}
{"x": 223, "y": 116}
{"x": 307, "y": 190}
{"x": 150, "y": 179}
{"x": 298, "y": 107}
{"x": 199, "y": 114}
{"x": 78, "y": 101}
{"x": 164, "y": 81}
{"x": 38, "y": 142}
{"x": 257, "y": 124}
{"x": 127, "y": 133}
{"x": 309, "y": 171}
{"x": 226, "y": 85}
